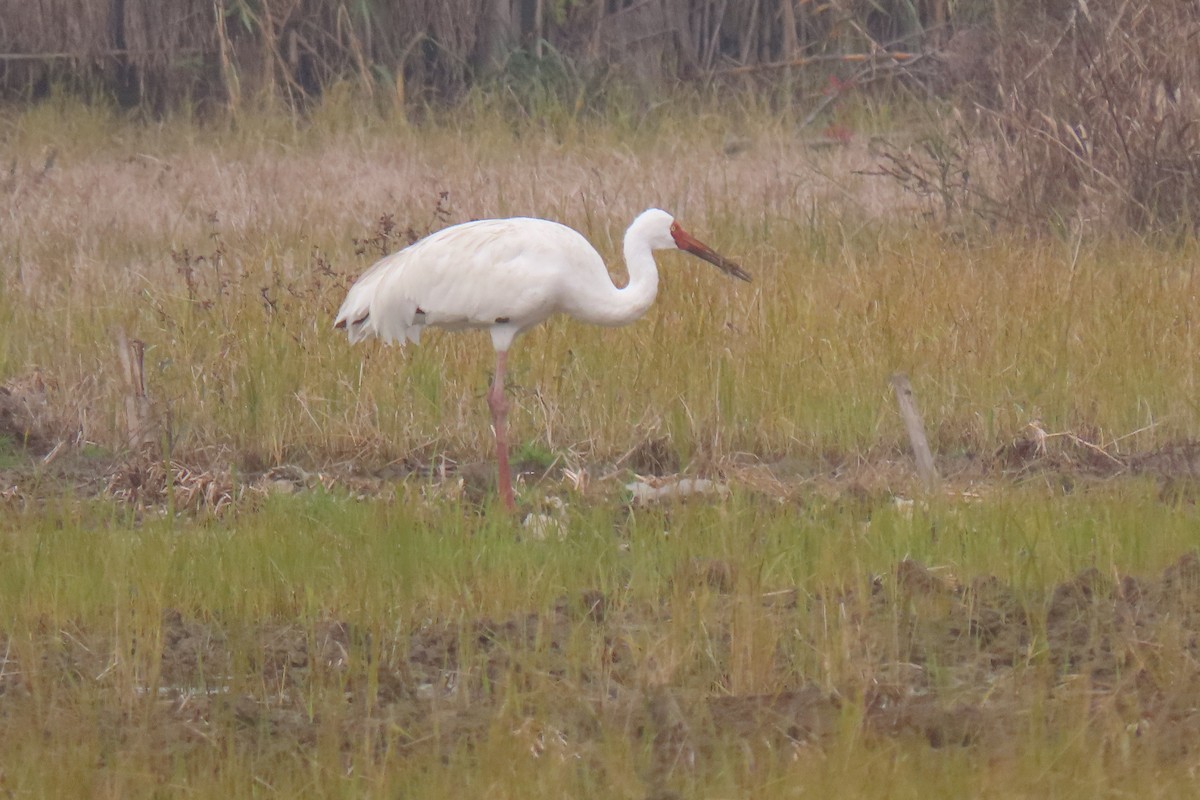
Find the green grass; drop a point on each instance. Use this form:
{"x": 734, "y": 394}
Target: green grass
{"x": 78, "y": 580}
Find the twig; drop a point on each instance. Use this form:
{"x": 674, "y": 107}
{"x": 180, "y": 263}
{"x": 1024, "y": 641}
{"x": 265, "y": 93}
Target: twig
{"x": 1085, "y": 443}
{"x": 1142, "y": 429}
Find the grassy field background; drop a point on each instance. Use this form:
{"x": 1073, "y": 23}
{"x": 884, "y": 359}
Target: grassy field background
{"x": 306, "y": 588}
{"x": 226, "y": 252}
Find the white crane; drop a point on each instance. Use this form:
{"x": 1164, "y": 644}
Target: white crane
{"x": 505, "y": 276}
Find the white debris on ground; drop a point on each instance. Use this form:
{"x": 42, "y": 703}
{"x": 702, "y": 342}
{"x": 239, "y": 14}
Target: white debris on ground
{"x": 284, "y": 479}
{"x": 904, "y": 506}
{"x": 655, "y": 490}
{"x": 545, "y": 526}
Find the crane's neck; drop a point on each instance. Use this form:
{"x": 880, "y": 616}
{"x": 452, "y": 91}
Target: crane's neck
{"x": 623, "y": 306}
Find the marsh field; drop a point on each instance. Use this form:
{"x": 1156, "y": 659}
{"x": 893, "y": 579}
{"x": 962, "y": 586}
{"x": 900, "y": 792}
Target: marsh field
{"x": 282, "y": 570}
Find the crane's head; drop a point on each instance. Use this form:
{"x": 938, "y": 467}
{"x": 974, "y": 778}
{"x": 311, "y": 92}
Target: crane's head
{"x": 664, "y": 233}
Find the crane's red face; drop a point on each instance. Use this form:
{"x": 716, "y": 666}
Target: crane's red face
{"x": 685, "y": 241}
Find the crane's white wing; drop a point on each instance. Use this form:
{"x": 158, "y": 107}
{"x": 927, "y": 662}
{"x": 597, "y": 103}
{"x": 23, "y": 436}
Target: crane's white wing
{"x": 512, "y": 272}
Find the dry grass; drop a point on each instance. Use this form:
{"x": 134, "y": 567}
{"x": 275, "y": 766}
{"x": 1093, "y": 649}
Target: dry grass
{"x": 193, "y": 247}
{"x": 226, "y": 253}
{"x": 1091, "y": 110}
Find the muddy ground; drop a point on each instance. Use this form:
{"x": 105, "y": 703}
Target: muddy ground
{"x": 950, "y": 665}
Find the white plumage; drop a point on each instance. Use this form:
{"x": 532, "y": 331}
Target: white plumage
{"x": 505, "y": 276}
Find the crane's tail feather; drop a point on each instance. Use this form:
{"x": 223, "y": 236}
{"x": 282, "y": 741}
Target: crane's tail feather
{"x": 357, "y": 329}
{"x": 365, "y": 327}
{"x": 368, "y": 312}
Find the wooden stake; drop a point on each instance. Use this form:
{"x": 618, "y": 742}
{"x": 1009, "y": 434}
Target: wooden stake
{"x": 916, "y": 430}
{"x": 138, "y": 420}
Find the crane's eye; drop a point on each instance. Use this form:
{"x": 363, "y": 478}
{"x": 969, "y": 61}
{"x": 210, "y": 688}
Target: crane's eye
{"x": 674, "y": 227}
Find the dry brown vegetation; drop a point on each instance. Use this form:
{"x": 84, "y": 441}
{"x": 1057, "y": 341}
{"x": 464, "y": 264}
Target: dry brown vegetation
{"x": 226, "y": 259}
{"x": 1087, "y": 115}
{"x": 1055, "y": 114}
{"x": 161, "y": 52}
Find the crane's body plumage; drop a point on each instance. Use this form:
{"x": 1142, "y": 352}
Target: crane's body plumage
{"x": 505, "y": 276}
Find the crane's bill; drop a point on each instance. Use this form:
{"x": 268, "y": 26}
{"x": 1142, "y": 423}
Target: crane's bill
{"x": 687, "y": 242}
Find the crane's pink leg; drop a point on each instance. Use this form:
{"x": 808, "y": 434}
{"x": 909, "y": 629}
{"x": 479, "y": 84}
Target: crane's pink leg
{"x": 499, "y": 406}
